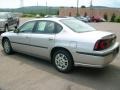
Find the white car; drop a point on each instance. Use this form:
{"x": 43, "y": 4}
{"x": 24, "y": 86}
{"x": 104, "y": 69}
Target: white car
{"x": 66, "y": 42}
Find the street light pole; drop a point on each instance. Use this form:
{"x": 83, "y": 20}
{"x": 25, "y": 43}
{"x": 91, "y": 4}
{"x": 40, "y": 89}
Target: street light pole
{"x": 46, "y": 7}
{"x": 37, "y": 3}
{"x": 21, "y": 3}
{"x": 91, "y": 7}
{"x": 77, "y": 7}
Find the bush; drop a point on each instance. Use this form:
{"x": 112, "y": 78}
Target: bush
{"x": 117, "y": 19}
{"x": 27, "y": 15}
{"x": 113, "y": 17}
{"x": 85, "y": 14}
{"x": 106, "y": 17}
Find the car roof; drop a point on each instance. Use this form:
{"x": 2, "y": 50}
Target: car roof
{"x": 51, "y": 19}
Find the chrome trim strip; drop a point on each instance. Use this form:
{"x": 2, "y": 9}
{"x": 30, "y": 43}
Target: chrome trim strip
{"x": 31, "y": 45}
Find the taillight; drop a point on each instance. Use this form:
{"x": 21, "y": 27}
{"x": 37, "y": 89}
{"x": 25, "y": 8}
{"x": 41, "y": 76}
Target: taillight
{"x": 104, "y": 44}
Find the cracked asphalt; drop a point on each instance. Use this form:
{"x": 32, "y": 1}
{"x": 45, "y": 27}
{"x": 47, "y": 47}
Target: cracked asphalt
{"x": 22, "y": 72}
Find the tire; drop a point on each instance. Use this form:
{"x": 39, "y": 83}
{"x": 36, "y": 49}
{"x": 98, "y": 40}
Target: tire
{"x": 63, "y": 61}
{"x": 7, "y": 46}
{"x": 6, "y": 29}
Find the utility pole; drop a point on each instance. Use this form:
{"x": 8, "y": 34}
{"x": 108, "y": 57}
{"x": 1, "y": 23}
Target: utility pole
{"x": 37, "y": 3}
{"x": 46, "y": 7}
{"x": 77, "y": 7}
{"x": 21, "y": 3}
{"x": 91, "y": 7}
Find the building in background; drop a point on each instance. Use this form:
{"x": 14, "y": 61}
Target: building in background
{"x": 72, "y": 11}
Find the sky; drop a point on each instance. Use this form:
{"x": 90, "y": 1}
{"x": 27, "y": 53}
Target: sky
{"x": 70, "y": 3}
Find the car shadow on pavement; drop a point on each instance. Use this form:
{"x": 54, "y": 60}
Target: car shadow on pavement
{"x": 107, "y": 78}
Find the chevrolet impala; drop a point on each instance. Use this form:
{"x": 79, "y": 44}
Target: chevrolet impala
{"x": 66, "y": 42}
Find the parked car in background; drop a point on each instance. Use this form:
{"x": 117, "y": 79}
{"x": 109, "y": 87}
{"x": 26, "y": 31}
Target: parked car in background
{"x": 66, "y": 42}
{"x": 97, "y": 19}
{"x": 50, "y": 16}
{"x": 102, "y": 19}
{"x": 8, "y": 20}
{"x": 82, "y": 18}
{"x": 37, "y": 16}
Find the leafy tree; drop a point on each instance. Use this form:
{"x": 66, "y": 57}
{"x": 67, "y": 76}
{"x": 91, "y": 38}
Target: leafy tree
{"x": 106, "y": 16}
{"x": 83, "y": 6}
{"x": 113, "y": 17}
{"x": 117, "y": 19}
{"x": 69, "y": 13}
{"x": 77, "y": 14}
{"x": 58, "y": 12}
{"x": 85, "y": 14}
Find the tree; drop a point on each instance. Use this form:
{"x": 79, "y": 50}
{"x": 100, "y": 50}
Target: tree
{"x": 106, "y": 16}
{"x": 117, "y": 19}
{"x": 77, "y": 14}
{"x": 83, "y": 6}
{"x": 69, "y": 13}
{"x": 85, "y": 14}
{"x": 113, "y": 17}
{"x": 58, "y": 12}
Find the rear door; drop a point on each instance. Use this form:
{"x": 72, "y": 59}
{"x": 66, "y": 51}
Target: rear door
{"x": 43, "y": 38}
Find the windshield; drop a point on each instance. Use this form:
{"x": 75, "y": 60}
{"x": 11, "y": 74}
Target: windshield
{"x": 3, "y": 15}
{"x": 76, "y": 25}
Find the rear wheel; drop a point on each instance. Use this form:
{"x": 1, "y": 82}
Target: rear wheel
{"x": 63, "y": 61}
{"x": 7, "y": 46}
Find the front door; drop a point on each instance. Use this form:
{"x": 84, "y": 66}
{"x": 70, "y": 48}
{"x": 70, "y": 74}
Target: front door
{"x": 21, "y": 40}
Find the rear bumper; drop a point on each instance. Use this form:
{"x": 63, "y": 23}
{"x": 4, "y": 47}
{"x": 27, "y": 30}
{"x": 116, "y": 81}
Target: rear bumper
{"x": 98, "y": 59}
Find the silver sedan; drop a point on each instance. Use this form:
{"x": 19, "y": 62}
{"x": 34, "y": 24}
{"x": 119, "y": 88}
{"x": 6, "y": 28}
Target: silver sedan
{"x": 66, "y": 42}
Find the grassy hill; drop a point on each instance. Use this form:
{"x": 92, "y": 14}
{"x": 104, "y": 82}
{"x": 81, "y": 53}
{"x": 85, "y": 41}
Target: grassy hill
{"x": 34, "y": 10}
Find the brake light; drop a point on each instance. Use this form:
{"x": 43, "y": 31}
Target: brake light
{"x": 102, "y": 44}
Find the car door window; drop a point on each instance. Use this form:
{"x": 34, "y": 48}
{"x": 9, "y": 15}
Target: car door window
{"x": 27, "y": 27}
{"x": 58, "y": 28}
{"x": 47, "y": 27}
{"x": 41, "y": 27}
{"x": 50, "y": 27}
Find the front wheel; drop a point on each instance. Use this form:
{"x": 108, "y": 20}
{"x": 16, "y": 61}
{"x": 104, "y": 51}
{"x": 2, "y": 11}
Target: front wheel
{"x": 63, "y": 61}
{"x": 7, "y": 46}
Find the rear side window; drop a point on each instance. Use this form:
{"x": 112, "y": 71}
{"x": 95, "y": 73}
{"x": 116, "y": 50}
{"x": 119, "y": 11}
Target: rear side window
{"x": 46, "y": 27}
{"x": 50, "y": 27}
{"x": 58, "y": 28}
{"x": 41, "y": 26}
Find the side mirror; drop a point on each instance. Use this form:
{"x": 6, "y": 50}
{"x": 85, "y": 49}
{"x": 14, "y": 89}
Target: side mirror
{"x": 15, "y": 27}
{"x": 16, "y": 31}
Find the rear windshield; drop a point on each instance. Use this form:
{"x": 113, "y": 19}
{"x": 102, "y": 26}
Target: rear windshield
{"x": 77, "y": 25}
